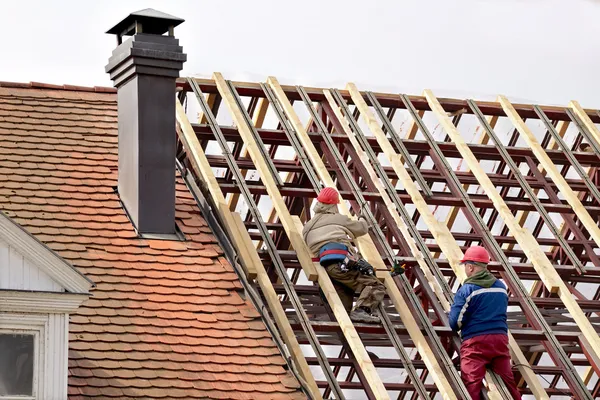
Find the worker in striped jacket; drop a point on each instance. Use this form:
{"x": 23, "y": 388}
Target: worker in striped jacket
{"x": 479, "y": 312}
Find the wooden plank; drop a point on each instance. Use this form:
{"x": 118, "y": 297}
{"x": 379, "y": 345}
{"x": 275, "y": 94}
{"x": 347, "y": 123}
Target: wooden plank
{"x": 293, "y": 228}
{"x": 585, "y": 118}
{"x": 526, "y": 240}
{"x": 347, "y": 327}
{"x": 243, "y": 244}
{"x": 258, "y": 120}
{"x": 523, "y": 214}
{"x": 408, "y": 320}
{"x": 364, "y": 243}
{"x": 484, "y": 139}
{"x": 439, "y": 230}
{"x": 586, "y": 219}
{"x": 261, "y": 166}
{"x": 202, "y": 168}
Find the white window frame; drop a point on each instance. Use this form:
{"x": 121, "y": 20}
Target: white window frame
{"x": 32, "y": 324}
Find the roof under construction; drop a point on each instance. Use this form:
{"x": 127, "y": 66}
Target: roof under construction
{"x": 433, "y": 176}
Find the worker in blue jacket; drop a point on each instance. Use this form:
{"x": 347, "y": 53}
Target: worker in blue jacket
{"x": 479, "y": 312}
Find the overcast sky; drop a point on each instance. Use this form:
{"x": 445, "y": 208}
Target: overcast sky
{"x": 545, "y": 51}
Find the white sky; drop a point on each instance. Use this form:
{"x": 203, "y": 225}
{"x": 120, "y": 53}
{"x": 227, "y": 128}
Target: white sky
{"x": 544, "y": 51}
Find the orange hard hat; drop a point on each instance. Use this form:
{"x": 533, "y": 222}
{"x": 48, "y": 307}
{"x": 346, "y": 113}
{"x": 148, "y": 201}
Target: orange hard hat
{"x": 328, "y": 196}
{"x": 476, "y": 254}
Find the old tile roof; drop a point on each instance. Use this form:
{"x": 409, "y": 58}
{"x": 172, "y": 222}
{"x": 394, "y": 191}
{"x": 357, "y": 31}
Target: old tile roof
{"x": 166, "y": 319}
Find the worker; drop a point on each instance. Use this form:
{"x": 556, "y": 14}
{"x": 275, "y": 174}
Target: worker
{"x": 479, "y": 312}
{"x": 329, "y": 236}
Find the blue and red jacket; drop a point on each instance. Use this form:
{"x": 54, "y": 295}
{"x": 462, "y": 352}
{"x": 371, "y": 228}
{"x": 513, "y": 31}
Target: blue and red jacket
{"x": 480, "y": 310}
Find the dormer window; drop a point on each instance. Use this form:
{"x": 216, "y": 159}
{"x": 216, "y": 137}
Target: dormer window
{"x": 38, "y": 291}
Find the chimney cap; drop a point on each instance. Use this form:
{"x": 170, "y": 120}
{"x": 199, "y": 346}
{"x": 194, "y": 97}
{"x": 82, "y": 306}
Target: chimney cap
{"x": 149, "y": 20}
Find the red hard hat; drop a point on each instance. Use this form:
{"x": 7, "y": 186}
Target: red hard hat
{"x": 328, "y": 196}
{"x": 477, "y": 254}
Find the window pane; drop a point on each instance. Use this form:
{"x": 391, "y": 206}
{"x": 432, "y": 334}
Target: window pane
{"x": 16, "y": 364}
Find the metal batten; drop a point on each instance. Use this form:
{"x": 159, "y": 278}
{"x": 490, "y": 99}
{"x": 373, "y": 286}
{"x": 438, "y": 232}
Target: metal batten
{"x": 395, "y": 340}
{"x": 594, "y": 192}
{"x": 405, "y": 285}
{"x": 514, "y": 282}
{"x": 268, "y": 240}
{"x": 397, "y": 141}
{"x": 525, "y": 186}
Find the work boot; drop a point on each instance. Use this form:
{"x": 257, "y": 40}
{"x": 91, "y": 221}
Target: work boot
{"x": 360, "y": 314}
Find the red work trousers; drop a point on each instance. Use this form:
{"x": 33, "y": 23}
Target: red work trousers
{"x": 483, "y": 351}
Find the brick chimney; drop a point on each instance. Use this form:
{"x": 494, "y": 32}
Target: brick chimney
{"x": 144, "y": 69}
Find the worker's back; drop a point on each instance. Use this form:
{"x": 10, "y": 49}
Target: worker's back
{"x": 328, "y": 226}
{"x": 480, "y": 309}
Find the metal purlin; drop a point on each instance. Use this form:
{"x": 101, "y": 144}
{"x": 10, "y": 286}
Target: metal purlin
{"x": 584, "y": 131}
{"x": 387, "y": 124}
{"x": 389, "y": 252}
{"x": 267, "y": 239}
{"x": 314, "y": 180}
{"x": 261, "y": 146}
{"x": 386, "y": 322}
{"x": 523, "y": 182}
{"x": 447, "y": 291}
{"x": 553, "y": 345}
{"x": 594, "y": 192}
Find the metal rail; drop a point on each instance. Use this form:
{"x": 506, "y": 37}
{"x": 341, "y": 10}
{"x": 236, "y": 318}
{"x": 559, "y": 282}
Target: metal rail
{"x": 393, "y": 336}
{"x": 534, "y": 315}
{"x": 261, "y": 146}
{"x": 292, "y": 137}
{"x": 514, "y": 168}
{"x": 594, "y": 192}
{"x": 405, "y": 287}
{"x": 270, "y": 245}
{"x": 396, "y": 140}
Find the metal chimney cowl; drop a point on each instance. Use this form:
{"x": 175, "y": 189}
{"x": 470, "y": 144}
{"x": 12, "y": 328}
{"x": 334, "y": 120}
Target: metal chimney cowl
{"x": 144, "y": 69}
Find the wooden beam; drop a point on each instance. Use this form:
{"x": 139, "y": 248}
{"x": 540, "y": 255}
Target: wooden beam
{"x": 364, "y": 243}
{"x": 526, "y": 240}
{"x": 248, "y": 255}
{"x": 586, "y": 120}
{"x": 440, "y": 231}
{"x": 265, "y": 174}
{"x": 258, "y": 120}
{"x": 453, "y": 213}
{"x": 553, "y": 145}
{"x": 586, "y": 219}
{"x": 347, "y": 327}
{"x": 417, "y": 336}
{"x": 414, "y": 128}
{"x": 367, "y": 248}
{"x": 293, "y": 228}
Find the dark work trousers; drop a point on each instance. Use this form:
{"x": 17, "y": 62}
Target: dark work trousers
{"x": 370, "y": 288}
{"x": 483, "y": 351}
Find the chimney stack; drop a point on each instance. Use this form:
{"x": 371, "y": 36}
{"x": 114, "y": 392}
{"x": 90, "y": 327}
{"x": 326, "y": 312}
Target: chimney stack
{"x": 144, "y": 69}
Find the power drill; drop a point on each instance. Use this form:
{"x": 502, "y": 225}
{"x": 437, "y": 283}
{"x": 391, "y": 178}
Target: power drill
{"x": 398, "y": 269}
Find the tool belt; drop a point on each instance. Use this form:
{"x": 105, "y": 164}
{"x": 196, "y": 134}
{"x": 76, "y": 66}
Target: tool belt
{"x": 333, "y": 253}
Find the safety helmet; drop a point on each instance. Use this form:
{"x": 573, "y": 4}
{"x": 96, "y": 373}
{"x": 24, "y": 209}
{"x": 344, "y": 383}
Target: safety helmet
{"x": 328, "y": 196}
{"x": 476, "y": 254}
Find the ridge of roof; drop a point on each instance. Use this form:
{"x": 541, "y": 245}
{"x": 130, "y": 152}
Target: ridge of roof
{"x": 72, "y": 88}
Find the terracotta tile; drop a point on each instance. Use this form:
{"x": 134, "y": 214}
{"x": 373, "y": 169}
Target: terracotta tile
{"x": 57, "y": 180}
